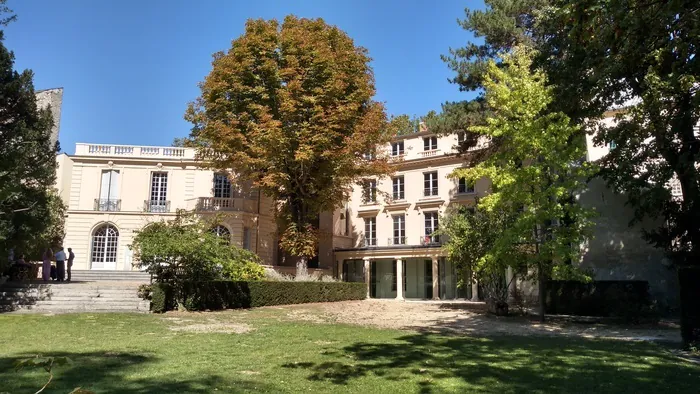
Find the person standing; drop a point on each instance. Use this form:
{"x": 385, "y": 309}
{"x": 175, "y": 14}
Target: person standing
{"x": 71, "y": 256}
{"x": 46, "y": 265}
{"x": 60, "y": 265}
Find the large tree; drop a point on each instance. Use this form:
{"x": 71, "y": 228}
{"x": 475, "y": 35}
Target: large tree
{"x": 31, "y": 213}
{"x": 532, "y": 172}
{"x": 290, "y": 107}
{"x": 637, "y": 55}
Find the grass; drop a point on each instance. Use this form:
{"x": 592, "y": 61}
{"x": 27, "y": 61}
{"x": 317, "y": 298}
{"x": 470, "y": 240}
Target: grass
{"x": 131, "y": 353}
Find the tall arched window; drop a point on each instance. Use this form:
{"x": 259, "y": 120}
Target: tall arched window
{"x": 221, "y": 231}
{"x": 104, "y": 246}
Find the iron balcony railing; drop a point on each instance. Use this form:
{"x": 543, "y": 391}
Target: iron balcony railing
{"x": 396, "y": 241}
{"x": 430, "y": 191}
{"x": 156, "y": 206}
{"x": 370, "y": 242}
{"x": 430, "y": 240}
{"x": 108, "y": 204}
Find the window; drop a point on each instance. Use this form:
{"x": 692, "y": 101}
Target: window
{"x": 246, "y": 238}
{"x": 429, "y": 143}
{"x": 398, "y": 188}
{"x": 430, "y": 183}
{"x": 431, "y": 225}
{"x": 159, "y": 191}
{"x": 221, "y": 231}
{"x": 397, "y": 148}
{"x": 222, "y": 186}
{"x": 464, "y": 186}
{"x": 109, "y": 191}
{"x": 369, "y": 191}
{"x": 104, "y": 246}
{"x": 399, "y": 230}
{"x": 395, "y": 276}
{"x": 369, "y": 156}
{"x": 461, "y": 137}
{"x": 370, "y": 231}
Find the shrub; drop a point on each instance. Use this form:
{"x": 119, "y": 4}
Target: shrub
{"x": 216, "y": 295}
{"x": 628, "y": 299}
{"x": 162, "y": 297}
{"x": 185, "y": 249}
{"x": 144, "y": 292}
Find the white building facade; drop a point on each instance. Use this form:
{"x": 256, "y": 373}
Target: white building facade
{"x": 389, "y": 223}
{"x": 111, "y": 191}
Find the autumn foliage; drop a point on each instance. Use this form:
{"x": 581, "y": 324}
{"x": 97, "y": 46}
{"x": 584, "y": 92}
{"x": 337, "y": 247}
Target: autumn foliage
{"x": 290, "y": 107}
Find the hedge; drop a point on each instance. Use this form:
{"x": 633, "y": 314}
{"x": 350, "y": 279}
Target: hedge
{"x": 689, "y": 281}
{"x": 628, "y": 299}
{"x": 217, "y": 295}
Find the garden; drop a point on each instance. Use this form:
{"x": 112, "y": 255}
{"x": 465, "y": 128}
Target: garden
{"x": 301, "y": 348}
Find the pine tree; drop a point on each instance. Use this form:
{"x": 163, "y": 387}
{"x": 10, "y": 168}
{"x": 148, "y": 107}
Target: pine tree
{"x": 30, "y": 211}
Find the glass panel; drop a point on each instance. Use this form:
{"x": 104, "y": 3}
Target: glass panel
{"x": 222, "y": 186}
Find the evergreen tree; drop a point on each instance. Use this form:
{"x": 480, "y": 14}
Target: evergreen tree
{"x": 31, "y": 214}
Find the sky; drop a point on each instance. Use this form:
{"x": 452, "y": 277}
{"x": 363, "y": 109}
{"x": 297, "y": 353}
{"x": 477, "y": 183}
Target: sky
{"x": 129, "y": 68}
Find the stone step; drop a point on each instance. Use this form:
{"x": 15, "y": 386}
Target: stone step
{"x": 73, "y": 309}
{"x": 72, "y": 297}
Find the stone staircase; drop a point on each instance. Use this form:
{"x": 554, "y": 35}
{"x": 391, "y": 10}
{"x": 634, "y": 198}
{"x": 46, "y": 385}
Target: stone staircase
{"x": 110, "y": 276}
{"x": 69, "y": 297}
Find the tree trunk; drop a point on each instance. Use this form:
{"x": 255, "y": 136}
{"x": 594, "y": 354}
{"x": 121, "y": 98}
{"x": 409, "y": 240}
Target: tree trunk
{"x": 541, "y": 291}
{"x": 302, "y": 265}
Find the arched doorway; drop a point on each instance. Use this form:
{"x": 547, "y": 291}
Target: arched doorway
{"x": 103, "y": 252}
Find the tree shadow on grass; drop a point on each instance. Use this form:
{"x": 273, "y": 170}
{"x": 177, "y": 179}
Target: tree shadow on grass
{"x": 509, "y": 364}
{"x": 108, "y": 373}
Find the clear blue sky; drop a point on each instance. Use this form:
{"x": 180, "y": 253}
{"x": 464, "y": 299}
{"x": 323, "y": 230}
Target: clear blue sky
{"x": 129, "y": 67}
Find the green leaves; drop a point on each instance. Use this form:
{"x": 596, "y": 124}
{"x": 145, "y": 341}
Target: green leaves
{"x": 535, "y": 169}
{"x": 187, "y": 249}
{"x": 47, "y": 363}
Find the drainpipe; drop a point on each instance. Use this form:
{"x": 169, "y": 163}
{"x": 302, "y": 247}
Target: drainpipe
{"x": 257, "y": 226}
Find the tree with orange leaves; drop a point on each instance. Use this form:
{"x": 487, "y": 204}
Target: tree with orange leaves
{"x": 290, "y": 107}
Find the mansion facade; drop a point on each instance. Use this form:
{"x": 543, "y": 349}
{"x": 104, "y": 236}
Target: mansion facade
{"x": 384, "y": 235}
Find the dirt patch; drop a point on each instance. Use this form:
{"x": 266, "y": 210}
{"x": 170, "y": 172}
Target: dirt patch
{"x": 212, "y": 327}
{"x": 466, "y": 318}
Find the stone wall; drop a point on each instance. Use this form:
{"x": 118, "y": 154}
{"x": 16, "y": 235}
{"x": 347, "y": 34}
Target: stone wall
{"x": 618, "y": 251}
{"x": 53, "y": 98}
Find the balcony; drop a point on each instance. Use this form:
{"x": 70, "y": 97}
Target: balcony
{"x": 430, "y": 240}
{"x": 392, "y": 241}
{"x": 108, "y": 205}
{"x": 214, "y": 204}
{"x": 131, "y": 151}
{"x": 369, "y": 242}
{"x": 156, "y": 206}
{"x": 430, "y": 192}
{"x": 429, "y": 153}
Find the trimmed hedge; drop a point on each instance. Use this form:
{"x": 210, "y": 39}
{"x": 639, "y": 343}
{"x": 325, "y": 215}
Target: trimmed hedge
{"x": 628, "y": 299}
{"x": 217, "y": 295}
{"x": 162, "y": 297}
{"x": 689, "y": 281}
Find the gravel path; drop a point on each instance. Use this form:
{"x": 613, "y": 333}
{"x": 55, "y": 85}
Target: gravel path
{"x": 468, "y": 318}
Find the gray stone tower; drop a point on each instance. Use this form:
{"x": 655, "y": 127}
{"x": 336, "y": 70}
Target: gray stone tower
{"x": 54, "y": 98}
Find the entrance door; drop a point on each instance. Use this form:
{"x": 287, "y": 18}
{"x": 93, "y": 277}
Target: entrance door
{"x": 428, "y": 279}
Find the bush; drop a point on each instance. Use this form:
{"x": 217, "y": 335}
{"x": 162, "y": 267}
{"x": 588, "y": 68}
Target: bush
{"x": 689, "y": 280}
{"x": 185, "y": 249}
{"x": 216, "y": 295}
{"x": 628, "y": 299}
{"x": 144, "y": 292}
{"x": 162, "y": 297}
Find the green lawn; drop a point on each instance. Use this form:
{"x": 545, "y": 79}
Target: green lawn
{"x": 126, "y": 353}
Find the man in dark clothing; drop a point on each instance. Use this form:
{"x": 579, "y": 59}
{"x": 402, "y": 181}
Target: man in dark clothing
{"x": 71, "y": 256}
{"x": 60, "y": 265}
